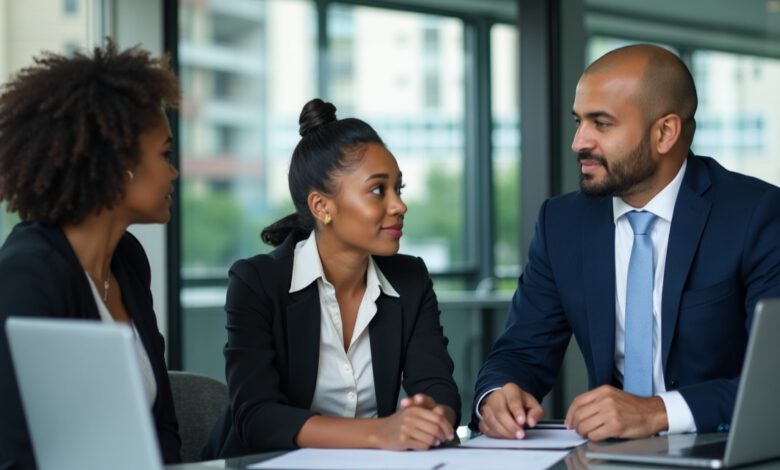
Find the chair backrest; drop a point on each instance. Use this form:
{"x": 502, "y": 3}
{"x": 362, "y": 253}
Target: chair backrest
{"x": 199, "y": 402}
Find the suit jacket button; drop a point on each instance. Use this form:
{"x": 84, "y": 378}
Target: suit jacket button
{"x": 673, "y": 384}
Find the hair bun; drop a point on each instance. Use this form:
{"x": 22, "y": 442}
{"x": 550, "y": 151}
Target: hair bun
{"x": 314, "y": 114}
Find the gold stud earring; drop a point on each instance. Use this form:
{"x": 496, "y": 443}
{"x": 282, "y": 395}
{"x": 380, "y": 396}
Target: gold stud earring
{"x": 326, "y": 220}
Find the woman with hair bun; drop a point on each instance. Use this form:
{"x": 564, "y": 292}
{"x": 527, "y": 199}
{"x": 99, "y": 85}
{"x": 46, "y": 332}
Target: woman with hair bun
{"x": 324, "y": 330}
{"x": 84, "y": 153}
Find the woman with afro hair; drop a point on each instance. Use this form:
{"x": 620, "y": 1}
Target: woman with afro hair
{"x": 84, "y": 153}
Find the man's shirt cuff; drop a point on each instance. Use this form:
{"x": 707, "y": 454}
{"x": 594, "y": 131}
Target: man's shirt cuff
{"x": 479, "y": 402}
{"x": 678, "y": 413}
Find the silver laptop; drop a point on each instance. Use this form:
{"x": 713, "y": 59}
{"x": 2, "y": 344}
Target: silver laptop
{"x": 752, "y": 436}
{"x": 82, "y": 395}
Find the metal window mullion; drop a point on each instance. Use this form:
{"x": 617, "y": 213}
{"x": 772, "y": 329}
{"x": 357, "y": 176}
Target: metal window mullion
{"x": 478, "y": 169}
{"x": 322, "y": 48}
{"x": 173, "y": 230}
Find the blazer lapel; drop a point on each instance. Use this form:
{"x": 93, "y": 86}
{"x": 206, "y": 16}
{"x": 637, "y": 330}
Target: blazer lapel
{"x": 85, "y": 304}
{"x": 598, "y": 255}
{"x": 691, "y": 212}
{"x": 385, "y": 333}
{"x": 303, "y": 344}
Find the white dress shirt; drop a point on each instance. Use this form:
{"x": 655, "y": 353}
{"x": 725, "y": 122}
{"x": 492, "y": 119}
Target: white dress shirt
{"x": 147, "y": 374}
{"x": 345, "y": 379}
{"x": 662, "y": 205}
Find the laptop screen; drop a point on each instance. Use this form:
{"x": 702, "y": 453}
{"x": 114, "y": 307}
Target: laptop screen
{"x": 82, "y": 394}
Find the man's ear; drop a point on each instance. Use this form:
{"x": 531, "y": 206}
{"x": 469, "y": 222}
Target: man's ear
{"x": 666, "y": 132}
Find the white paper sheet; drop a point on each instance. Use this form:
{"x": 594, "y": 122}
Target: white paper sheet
{"x": 534, "y": 439}
{"x": 457, "y": 458}
{"x": 460, "y": 458}
{"x": 346, "y": 459}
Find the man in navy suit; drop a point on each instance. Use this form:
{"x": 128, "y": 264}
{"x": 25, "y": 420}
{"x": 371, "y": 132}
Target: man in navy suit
{"x": 715, "y": 239}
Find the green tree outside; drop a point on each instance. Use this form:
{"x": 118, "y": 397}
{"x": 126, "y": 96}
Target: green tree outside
{"x": 212, "y": 238}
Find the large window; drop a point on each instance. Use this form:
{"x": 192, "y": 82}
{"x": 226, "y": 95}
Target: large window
{"x": 403, "y": 74}
{"x": 738, "y": 121}
{"x": 246, "y": 68}
{"x": 505, "y": 106}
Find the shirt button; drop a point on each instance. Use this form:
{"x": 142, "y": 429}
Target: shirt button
{"x": 347, "y": 367}
{"x": 351, "y": 395}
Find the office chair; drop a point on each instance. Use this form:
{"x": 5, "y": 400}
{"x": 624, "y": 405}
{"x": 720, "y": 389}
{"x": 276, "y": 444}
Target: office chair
{"x": 199, "y": 402}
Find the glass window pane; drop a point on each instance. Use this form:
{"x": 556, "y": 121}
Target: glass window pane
{"x": 22, "y": 38}
{"x": 600, "y": 45}
{"x": 738, "y": 120}
{"x": 505, "y": 102}
{"x": 246, "y": 69}
{"x": 403, "y": 73}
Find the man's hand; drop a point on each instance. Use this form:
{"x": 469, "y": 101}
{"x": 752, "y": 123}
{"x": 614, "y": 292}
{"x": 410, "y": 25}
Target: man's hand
{"x": 507, "y": 410}
{"x": 607, "y": 412}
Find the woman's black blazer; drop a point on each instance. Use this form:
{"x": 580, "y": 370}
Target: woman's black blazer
{"x": 41, "y": 276}
{"x": 273, "y": 340}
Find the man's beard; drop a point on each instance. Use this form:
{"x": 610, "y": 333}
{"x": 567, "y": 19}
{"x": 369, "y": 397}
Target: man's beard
{"x": 623, "y": 175}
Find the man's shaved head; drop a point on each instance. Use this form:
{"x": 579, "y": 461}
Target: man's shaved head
{"x": 666, "y": 83}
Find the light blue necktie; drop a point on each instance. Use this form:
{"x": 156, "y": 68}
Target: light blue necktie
{"x": 638, "y": 365}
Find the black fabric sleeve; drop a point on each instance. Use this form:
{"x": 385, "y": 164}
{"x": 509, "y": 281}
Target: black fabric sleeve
{"x": 27, "y": 288}
{"x": 428, "y": 367}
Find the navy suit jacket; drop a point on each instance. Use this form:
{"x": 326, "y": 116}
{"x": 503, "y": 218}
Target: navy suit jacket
{"x": 272, "y": 351}
{"x": 723, "y": 256}
{"x": 41, "y": 276}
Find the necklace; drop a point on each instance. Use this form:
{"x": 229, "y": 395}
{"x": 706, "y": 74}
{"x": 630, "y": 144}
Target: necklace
{"x": 106, "y": 285}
